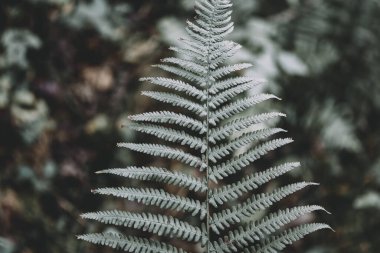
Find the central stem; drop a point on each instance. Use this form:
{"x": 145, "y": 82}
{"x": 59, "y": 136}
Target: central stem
{"x": 209, "y": 83}
{"x": 207, "y": 169}
{"x": 208, "y": 86}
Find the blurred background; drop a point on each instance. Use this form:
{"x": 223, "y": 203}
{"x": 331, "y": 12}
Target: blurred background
{"x": 69, "y": 78}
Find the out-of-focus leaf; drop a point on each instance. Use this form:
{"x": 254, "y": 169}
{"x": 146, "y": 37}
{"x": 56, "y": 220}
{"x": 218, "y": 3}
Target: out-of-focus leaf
{"x": 16, "y": 43}
{"x": 368, "y": 200}
{"x": 29, "y": 115}
{"x": 292, "y": 64}
{"x": 6, "y": 246}
{"x": 100, "y": 15}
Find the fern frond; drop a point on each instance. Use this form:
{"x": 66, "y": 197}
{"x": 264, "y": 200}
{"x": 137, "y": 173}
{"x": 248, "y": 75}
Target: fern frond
{"x": 171, "y": 118}
{"x": 278, "y": 243}
{"x": 176, "y": 85}
{"x": 234, "y": 215}
{"x": 181, "y": 72}
{"x": 171, "y": 135}
{"x": 256, "y": 231}
{"x": 165, "y": 151}
{"x": 191, "y": 53}
{"x": 176, "y": 100}
{"x": 194, "y": 46}
{"x": 224, "y": 131}
{"x": 131, "y": 244}
{"x": 204, "y": 6}
{"x": 237, "y": 163}
{"x": 230, "y": 83}
{"x": 157, "y": 224}
{"x": 250, "y": 182}
{"x": 238, "y": 107}
{"x": 204, "y": 10}
{"x": 219, "y": 36}
{"x": 215, "y": 9}
{"x": 159, "y": 175}
{"x": 187, "y": 65}
{"x": 222, "y": 31}
{"x": 229, "y": 94}
{"x": 203, "y": 24}
{"x": 222, "y": 16}
{"x": 156, "y": 197}
{"x": 220, "y": 49}
{"x": 227, "y": 70}
{"x": 211, "y": 92}
{"x": 223, "y": 150}
{"x": 198, "y": 33}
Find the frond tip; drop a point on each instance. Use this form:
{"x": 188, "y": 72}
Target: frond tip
{"x": 278, "y": 243}
{"x": 259, "y": 202}
{"x": 255, "y": 231}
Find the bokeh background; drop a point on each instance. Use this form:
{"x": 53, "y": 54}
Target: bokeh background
{"x": 69, "y": 78}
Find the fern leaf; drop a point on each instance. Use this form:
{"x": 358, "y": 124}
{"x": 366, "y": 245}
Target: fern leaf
{"x": 223, "y": 15}
{"x": 201, "y": 23}
{"x": 158, "y": 224}
{"x": 165, "y": 151}
{"x": 236, "y": 190}
{"x": 231, "y": 82}
{"x": 222, "y": 132}
{"x": 223, "y": 32}
{"x": 176, "y": 100}
{"x": 223, "y": 56}
{"x": 191, "y": 53}
{"x": 159, "y": 175}
{"x": 171, "y": 118}
{"x": 221, "y": 151}
{"x": 221, "y": 22}
{"x": 156, "y": 197}
{"x": 131, "y": 244}
{"x": 204, "y": 10}
{"x": 278, "y": 243}
{"x": 171, "y": 135}
{"x": 229, "y": 94}
{"x": 194, "y": 46}
{"x": 176, "y": 85}
{"x": 223, "y": 51}
{"x": 237, "y": 163}
{"x": 187, "y": 65}
{"x": 227, "y": 70}
{"x": 204, "y": 6}
{"x": 212, "y": 93}
{"x": 256, "y": 231}
{"x": 197, "y": 32}
{"x": 228, "y": 217}
{"x": 181, "y": 72}
{"x": 238, "y": 106}
{"x": 221, "y": 48}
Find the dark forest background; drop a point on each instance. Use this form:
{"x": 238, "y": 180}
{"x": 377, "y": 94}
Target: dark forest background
{"x": 69, "y": 78}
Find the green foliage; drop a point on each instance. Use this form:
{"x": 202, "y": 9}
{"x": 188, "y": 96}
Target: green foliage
{"x": 215, "y": 128}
